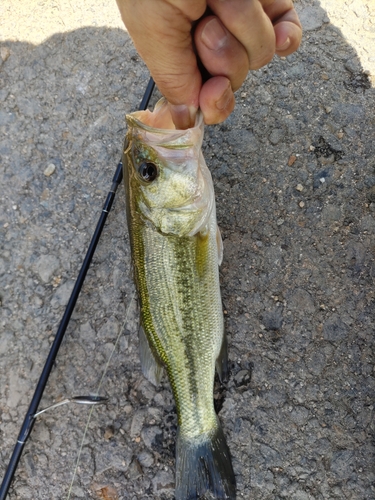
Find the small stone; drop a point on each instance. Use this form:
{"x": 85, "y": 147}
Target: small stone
{"x": 328, "y": 109}
{"x": 109, "y": 433}
{"x": 151, "y": 435}
{"x": 273, "y": 320}
{"x": 243, "y": 377}
{"x": 301, "y": 204}
{"x": 146, "y": 459}
{"x": 56, "y": 281}
{"x": 49, "y": 170}
{"x": 316, "y": 362}
{"x": 276, "y": 136}
{"x": 340, "y": 135}
{"x": 291, "y": 160}
{"x": 135, "y": 470}
{"x": 301, "y": 301}
{"x": 163, "y": 482}
{"x": 342, "y": 463}
{"x": 299, "y": 187}
{"x": 113, "y": 456}
{"x": 105, "y": 491}
{"x": 137, "y": 423}
{"x": 4, "y": 53}
{"x": 46, "y": 266}
{"x": 312, "y": 18}
{"x": 62, "y": 294}
{"x": 334, "y": 329}
{"x": 299, "y": 415}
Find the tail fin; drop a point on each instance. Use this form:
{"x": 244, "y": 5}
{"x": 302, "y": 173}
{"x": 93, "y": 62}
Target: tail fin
{"x": 204, "y": 468}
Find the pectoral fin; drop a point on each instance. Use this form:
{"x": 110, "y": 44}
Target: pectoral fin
{"x": 152, "y": 367}
{"x": 220, "y": 248}
{"x": 222, "y": 361}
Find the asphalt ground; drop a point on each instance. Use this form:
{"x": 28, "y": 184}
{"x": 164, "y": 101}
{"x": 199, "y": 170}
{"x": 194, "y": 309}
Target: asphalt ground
{"x": 294, "y": 175}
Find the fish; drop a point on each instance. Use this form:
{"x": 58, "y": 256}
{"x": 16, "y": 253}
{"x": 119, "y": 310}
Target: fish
{"x": 176, "y": 251}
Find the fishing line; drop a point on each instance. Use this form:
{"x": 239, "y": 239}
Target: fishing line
{"x": 122, "y": 329}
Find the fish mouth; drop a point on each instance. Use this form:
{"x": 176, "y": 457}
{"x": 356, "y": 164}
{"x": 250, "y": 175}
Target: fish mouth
{"x": 159, "y": 122}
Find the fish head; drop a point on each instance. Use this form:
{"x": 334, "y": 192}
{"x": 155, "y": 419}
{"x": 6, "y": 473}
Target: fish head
{"x": 168, "y": 179}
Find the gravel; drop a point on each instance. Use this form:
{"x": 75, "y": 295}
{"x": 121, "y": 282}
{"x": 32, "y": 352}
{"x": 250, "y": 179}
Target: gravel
{"x": 294, "y": 176}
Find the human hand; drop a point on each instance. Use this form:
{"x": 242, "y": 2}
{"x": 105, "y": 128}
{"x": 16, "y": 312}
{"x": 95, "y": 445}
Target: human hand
{"x": 235, "y": 37}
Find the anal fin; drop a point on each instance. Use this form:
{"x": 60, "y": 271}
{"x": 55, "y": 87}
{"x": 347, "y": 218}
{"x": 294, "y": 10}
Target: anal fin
{"x": 152, "y": 367}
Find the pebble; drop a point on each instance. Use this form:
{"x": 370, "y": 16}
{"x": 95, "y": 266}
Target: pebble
{"x": 4, "y": 53}
{"x": 343, "y": 463}
{"x": 312, "y": 17}
{"x": 273, "y": 320}
{"x": 108, "y": 433}
{"x": 49, "y": 170}
{"x": 245, "y": 140}
{"x": 316, "y": 362}
{"x": 163, "y": 482}
{"x": 299, "y": 187}
{"x": 300, "y": 300}
{"x": 291, "y": 160}
{"x": 62, "y": 294}
{"x": 276, "y": 136}
{"x": 46, "y": 266}
{"x": 334, "y": 329}
{"x": 146, "y": 459}
{"x": 242, "y": 378}
{"x": 113, "y": 455}
{"x": 149, "y": 434}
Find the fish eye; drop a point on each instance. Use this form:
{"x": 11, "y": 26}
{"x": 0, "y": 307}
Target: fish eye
{"x": 148, "y": 171}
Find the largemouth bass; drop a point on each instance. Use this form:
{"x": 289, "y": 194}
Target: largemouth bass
{"x": 176, "y": 250}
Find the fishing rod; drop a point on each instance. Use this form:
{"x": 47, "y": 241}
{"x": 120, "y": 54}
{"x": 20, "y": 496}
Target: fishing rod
{"x": 30, "y": 416}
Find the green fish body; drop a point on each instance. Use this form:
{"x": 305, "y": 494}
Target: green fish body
{"x": 176, "y": 251}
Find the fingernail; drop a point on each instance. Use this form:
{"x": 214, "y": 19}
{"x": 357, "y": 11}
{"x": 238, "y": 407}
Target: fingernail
{"x": 225, "y": 99}
{"x": 285, "y": 45}
{"x": 183, "y": 116}
{"x": 214, "y": 35}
